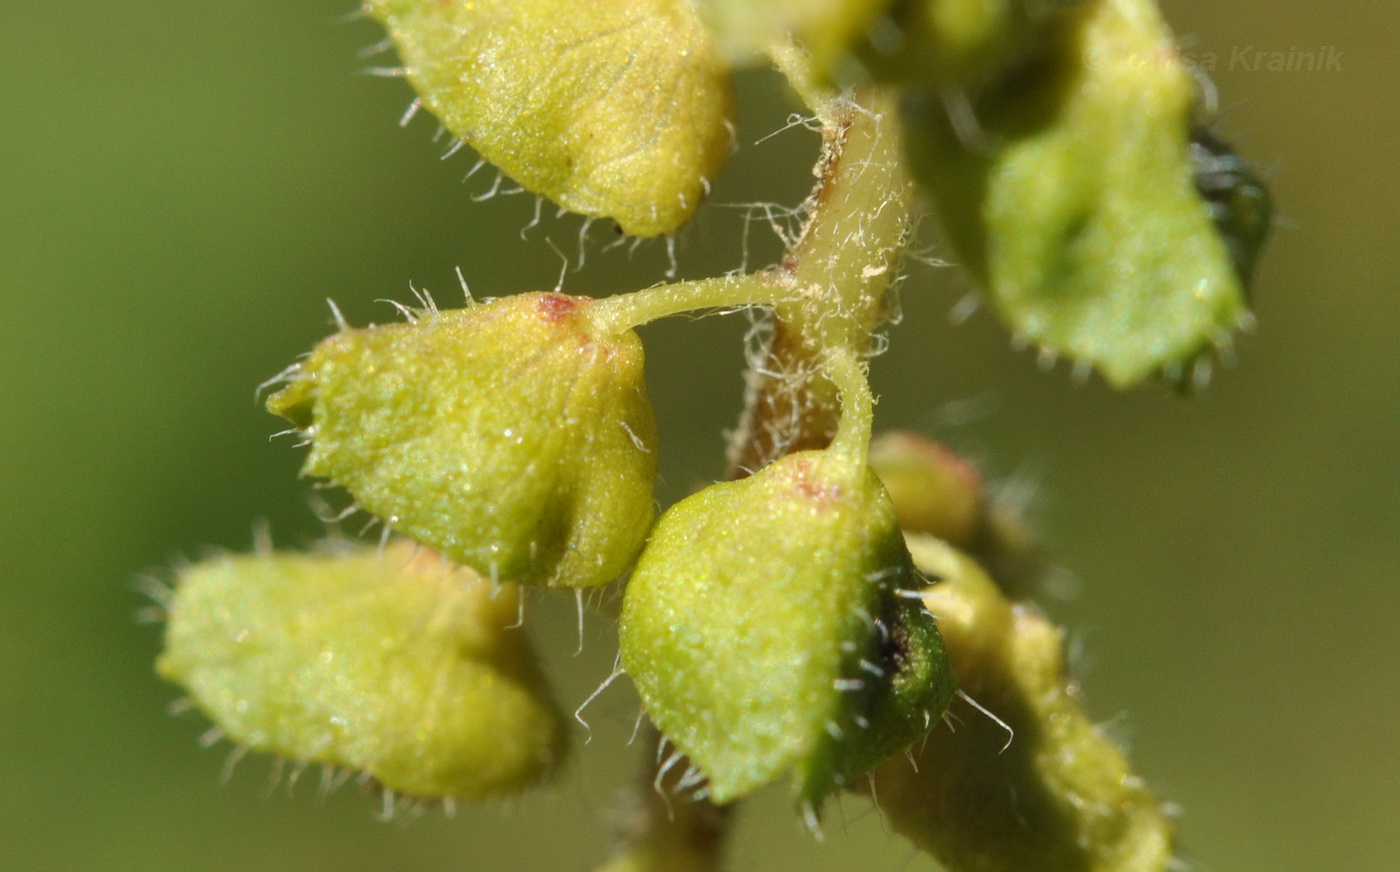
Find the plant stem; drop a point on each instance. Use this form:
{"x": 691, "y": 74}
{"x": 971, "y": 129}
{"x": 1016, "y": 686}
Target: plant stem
{"x": 837, "y": 276}
{"x": 852, "y": 441}
{"x": 625, "y": 311}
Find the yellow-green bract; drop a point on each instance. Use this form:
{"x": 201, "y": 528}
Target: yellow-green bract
{"x": 512, "y": 436}
{"x": 762, "y": 629}
{"x": 1070, "y": 194}
{"x": 396, "y": 666}
{"x": 610, "y": 109}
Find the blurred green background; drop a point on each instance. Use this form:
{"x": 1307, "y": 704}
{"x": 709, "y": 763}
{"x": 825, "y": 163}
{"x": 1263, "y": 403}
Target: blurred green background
{"x": 183, "y": 184}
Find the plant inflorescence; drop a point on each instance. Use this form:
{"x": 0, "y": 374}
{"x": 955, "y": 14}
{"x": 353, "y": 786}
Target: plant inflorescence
{"x": 778, "y": 626}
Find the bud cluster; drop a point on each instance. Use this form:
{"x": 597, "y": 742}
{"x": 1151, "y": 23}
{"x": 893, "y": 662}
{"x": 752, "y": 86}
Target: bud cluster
{"x": 776, "y": 625}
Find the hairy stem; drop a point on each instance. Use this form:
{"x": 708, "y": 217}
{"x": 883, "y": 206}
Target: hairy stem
{"x": 625, "y": 311}
{"x": 852, "y": 440}
{"x": 837, "y": 277}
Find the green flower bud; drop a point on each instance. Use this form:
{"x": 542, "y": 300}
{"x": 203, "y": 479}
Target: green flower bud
{"x": 934, "y": 491}
{"x": 618, "y": 110}
{"x": 389, "y": 664}
{"x": 512, "y": 436}
{"x": 1070, "y": 190}
{"x": 764, "y": 630}
{"x": 1060, "y": 797}
{"x": 937, "y": 493}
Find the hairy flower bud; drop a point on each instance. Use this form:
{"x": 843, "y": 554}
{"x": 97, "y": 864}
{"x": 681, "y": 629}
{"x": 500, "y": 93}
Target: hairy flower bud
{"x": 764, "y": 630}
{"x": 391, "y": 664}
{"x": 1071, "y": 190}
{"x": 512, "y": 436}
{"x": 618, "y": 110}
{"x": 1056, "y": 795}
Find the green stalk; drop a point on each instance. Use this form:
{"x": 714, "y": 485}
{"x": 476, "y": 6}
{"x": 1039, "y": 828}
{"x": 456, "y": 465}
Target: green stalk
{"x": 836, "y": 277}
{"x": 625, "y": 311}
